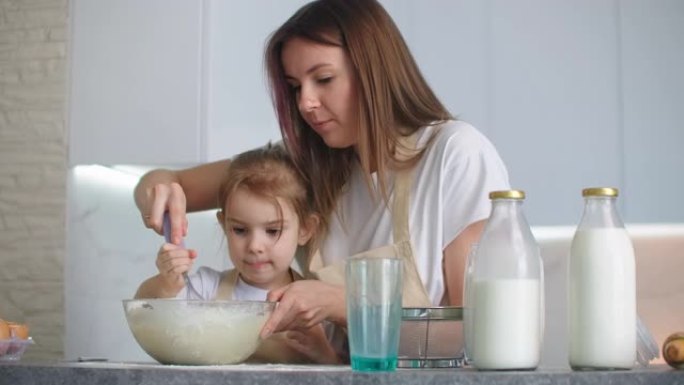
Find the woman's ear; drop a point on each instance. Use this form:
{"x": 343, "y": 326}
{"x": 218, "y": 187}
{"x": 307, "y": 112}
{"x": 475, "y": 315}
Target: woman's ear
{"x": 308, "y": 228}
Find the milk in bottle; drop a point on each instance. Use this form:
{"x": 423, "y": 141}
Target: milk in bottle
{"x": 504, "y": 307}
{"x": 602, "y": 289}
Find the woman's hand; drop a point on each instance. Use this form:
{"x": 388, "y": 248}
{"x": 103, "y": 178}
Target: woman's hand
{"x": 303, "y": 304}
{"x": 178, "y": 192}
{"x": 172, "y": 262}
{"x": 314, "y": 344}
{"x": 162, "y": 197}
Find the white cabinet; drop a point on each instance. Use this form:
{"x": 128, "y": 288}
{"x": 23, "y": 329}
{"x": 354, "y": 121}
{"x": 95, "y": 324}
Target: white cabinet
{"x": 538, "y": 79}
{"x": 240, "y": 114}
{"x": 170, "y": 81}
{"x": 653, "y": 97}
{"x": 555, "y": 113}
{"x": 573, "y": 94}
{"x": 136, "y": 82}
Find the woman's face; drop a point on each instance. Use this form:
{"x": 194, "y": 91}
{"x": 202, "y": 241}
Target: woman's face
{"x": 325, "y": 86}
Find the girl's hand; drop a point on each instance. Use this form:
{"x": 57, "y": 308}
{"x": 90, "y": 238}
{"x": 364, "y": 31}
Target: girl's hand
{"x": 314, "y": 344}
{"x": 303, "y": 304}
{"x": 172, "y": 262}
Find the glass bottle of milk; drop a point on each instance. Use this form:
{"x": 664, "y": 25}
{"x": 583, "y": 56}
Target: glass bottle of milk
{"x": 602, "y": 287}
{"x": 505, "y": 308}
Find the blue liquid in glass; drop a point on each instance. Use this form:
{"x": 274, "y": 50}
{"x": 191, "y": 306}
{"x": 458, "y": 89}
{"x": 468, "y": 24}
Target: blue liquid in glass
{"x": 374, "y": 336}
{"x": 366, "y": 364}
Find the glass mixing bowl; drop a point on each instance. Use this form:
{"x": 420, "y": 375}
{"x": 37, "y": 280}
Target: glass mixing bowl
{"x": 191, "y": 332}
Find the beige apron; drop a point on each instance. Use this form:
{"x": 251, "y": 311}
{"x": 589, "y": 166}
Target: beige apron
{"x": 274, "y": 349}
{"x": 414, "y": 293}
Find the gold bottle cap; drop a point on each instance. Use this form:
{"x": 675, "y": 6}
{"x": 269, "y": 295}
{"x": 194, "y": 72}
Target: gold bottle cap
{"x": 507, "y": 194}
{"x": 600, "y": 192}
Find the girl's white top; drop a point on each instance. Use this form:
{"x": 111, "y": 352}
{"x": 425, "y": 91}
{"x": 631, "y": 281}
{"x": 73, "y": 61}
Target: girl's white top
{"x": 206, "y": 280}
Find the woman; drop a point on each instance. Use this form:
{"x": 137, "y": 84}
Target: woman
{"x": 389, "y": 164}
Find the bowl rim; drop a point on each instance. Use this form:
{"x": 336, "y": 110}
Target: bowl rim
{"x": 198, "y": 301}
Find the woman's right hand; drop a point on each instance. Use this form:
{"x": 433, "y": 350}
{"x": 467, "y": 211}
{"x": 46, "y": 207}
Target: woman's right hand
{"x": 178, "y": 191}
{"x": 171, "y": 198}
{"x": 153, "y": 199}
{"x": 172, "y": 262}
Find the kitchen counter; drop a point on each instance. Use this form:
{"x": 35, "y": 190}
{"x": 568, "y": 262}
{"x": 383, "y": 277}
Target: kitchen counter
{"x": 104, "y": 373}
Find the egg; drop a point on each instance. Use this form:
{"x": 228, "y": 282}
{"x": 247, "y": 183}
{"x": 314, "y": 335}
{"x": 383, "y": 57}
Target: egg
{"x": 4, "y": 337}
{"x": 4, "y": 330}
{"x": 673, "y": 350}
{"x": 17, "y": 330}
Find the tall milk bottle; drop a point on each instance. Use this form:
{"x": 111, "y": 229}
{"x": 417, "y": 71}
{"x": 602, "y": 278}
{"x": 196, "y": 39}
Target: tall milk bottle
{"x": 602, "y": 288}
{"x": 505, "y": 290}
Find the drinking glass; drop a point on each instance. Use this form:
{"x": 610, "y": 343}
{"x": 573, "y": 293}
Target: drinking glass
{"x": 373, "y": 289}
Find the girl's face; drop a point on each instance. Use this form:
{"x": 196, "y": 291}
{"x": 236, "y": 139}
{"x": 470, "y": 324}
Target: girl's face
{"x": 325, "y": 86}
{"x": 261, "y": 246}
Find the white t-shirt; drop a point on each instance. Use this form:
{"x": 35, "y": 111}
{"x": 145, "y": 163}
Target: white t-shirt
{"x": 206, "y": 281}
{"x": 450, "y": 191}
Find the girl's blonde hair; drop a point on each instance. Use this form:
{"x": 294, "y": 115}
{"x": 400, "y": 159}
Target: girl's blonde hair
{"x": 394, "y": 100}
{"x": 270, "y": 173}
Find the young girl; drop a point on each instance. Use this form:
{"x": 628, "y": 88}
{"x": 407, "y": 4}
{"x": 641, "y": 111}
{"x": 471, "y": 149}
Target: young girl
{"x": 265, "y": 215}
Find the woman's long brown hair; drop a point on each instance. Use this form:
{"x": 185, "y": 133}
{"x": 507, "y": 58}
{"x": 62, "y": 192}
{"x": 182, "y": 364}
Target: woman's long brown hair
{"x": 394, "y": 100}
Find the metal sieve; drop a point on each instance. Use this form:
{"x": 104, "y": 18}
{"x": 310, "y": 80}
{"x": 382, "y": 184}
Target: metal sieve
{"x": 431, "y": 338}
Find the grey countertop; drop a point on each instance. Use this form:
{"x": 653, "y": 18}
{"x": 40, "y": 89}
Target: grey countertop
{"x": 38, "y": 373}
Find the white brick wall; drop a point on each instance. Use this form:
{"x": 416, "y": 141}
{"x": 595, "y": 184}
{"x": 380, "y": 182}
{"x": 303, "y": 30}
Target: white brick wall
{"x": 33, "y": 165}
